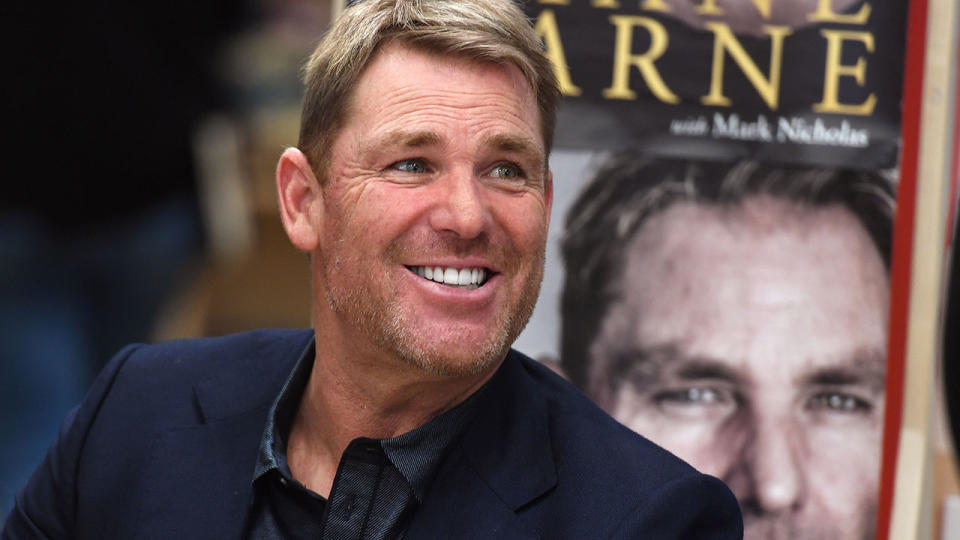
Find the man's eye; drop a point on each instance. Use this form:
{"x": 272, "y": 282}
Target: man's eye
{"x": 507, "y": 171}
{"x": 697, "y": 402}
{"x": 839, "y": 402}
{"x": 695, "y": 395}
{"x": 415, "y": 165}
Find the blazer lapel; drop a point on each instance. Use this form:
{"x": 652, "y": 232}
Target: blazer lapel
{"x": 201, "y": 479}
{"x": 201, "y": 474}
{"x": 502, "y": 463}
{"x": 462, "y": 505}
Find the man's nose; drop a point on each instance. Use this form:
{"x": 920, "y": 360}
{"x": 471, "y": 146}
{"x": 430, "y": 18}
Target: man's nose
{"x": 460, "y": 207}
{"x": 773, "y": 465}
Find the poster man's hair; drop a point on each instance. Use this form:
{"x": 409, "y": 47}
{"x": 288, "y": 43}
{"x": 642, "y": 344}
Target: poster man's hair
{"x": 630, "y": 188}
{"x": 481, "y": 30}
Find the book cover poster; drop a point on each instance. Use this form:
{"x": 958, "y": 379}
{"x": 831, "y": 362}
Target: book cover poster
{"x": 718, "y": 269}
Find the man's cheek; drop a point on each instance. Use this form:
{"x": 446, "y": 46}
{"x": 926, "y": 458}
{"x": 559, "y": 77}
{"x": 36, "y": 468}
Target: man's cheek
{"x": 850, "y": 452}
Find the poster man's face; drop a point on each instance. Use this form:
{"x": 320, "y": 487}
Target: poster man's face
{"x": 751, "y": 342}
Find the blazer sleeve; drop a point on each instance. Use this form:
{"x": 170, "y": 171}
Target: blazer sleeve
{"x": 45, "y": 508}
{"x": 691, "y": 507}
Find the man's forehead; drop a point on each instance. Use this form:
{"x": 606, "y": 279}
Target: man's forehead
{"x": 394, "y": 56}
{"x": 698, "y": 292}
{"x": 756, "y": 215}
{"x": 410, "y": 98}
{"x": 398, "y": 56}
{"x": 763, "y": 252}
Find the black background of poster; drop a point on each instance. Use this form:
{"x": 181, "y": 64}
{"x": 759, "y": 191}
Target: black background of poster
{"x": 590, "y": 121}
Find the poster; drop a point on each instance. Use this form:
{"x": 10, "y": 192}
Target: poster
{"x": 719, "y": 259}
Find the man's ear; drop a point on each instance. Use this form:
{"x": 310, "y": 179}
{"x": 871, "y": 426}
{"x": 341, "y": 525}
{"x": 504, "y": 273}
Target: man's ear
{"x": 300, "y": 198}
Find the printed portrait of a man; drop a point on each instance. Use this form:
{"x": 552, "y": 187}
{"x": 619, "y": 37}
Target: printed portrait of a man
{"x": 736, "y": 314}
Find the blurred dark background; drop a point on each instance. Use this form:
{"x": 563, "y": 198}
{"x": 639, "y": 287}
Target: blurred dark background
{"x": 138, "y": 200}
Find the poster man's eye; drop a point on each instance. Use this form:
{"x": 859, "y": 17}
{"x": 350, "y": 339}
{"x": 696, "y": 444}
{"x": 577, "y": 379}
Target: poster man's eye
{"x": 696, "y": 402}
{"x": 839, "y": 402}
{"x": 693, "y": 395}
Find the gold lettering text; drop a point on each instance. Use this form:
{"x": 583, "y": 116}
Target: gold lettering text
{"x": 834, "y": 70}
{"x": 768, "y": 87}
{"x": 624, "y": 59}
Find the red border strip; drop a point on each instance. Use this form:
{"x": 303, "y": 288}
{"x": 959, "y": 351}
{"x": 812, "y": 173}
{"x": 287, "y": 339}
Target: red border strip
{"x": 901, "y": 258}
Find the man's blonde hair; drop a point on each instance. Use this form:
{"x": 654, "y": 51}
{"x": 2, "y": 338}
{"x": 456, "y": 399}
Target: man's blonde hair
{"x": 481, "y": 30}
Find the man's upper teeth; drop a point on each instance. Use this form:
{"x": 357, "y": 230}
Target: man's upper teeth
{"x": 451, "y": 275}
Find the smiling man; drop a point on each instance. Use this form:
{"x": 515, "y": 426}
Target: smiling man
{"x": 421, "y": 191}
{"x": 736, "y": 314}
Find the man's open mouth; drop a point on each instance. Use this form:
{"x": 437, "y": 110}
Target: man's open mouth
{"x": 464, "y": 278}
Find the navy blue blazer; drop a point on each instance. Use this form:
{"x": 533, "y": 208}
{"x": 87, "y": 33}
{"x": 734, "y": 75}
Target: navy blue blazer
{"x": 165, "y": 443}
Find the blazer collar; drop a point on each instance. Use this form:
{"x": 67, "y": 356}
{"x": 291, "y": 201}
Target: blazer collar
{"x": 503, "y": 462}
{"x": 509, "y": 443}
{"x": 255, "y": 375}
{"x": 199, "y": 480}
{"x": 200, "y": 474}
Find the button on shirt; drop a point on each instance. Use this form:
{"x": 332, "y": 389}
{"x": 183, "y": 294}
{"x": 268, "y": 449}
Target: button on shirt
{"x": 378, "y": 484}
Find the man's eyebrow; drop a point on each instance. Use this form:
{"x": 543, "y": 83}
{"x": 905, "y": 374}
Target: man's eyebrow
{"x": 865, "y": 369}
{"x": 517, "y": 144}
{"x": 512, "y": 143}
{"x": 654, "y": 364}
{"x": 706, "y": 368}
{"x": 408, "y": 139}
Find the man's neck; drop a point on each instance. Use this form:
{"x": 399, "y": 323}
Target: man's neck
{"x": 355, "y": 397}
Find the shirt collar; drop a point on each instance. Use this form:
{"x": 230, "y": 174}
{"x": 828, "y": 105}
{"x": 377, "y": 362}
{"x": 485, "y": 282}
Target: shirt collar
{"x": 273, "y": 444}
{"x": 416, "y": 454}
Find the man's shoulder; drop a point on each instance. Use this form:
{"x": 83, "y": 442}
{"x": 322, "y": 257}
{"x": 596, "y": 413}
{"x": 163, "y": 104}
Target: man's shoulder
{"x": 240, "y": 370}
{"x": 157, "y": 418}
{"x": 588, "y": 439}
{"x": 208, "y": 356}
{"x": 201, "y": 354}
{"x": 620, "y": 484}
{"x": 566, "y": 469}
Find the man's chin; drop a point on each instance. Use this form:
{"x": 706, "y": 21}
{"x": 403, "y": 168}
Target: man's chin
{"x": 456, "y": 348}
{"x": 455, "y": 357}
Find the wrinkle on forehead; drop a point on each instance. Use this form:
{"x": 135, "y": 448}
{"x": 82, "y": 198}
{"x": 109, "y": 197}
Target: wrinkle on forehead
{"x": 794, "y": 288}
{"x": 507, "y": 84}
{"x": 438, "y": 108}
{"x": 759, "y": 253}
